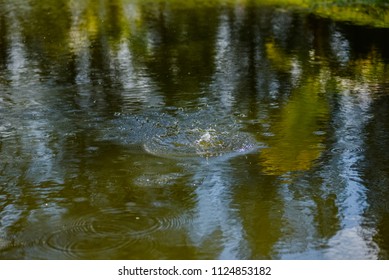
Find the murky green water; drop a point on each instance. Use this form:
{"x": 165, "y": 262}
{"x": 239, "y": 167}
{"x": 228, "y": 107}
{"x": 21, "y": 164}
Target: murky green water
{"x": 141, "y": 130}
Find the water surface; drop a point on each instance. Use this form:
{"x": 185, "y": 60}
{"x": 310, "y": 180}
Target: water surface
{"x": 158, "y": 130}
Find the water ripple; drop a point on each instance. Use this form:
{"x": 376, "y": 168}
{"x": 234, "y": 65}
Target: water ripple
{"x": 175, "y": 221}
{"x": 208, "y": 142}
{"x": 100, "y": 233}
{"x": 181, "y": 134}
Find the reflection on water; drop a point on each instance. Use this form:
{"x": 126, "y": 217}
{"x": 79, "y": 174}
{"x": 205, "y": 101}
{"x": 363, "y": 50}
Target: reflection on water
{"x": 169, "y": 131}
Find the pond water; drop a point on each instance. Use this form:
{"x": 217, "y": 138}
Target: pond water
{"x": 163, "y": 130}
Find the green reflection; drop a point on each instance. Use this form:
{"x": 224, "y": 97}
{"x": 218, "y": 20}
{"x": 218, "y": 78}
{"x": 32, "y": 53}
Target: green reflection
{"x": 298, "y": 132}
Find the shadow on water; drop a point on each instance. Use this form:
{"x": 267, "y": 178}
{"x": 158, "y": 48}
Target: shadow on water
{"x": 173, "y": 131}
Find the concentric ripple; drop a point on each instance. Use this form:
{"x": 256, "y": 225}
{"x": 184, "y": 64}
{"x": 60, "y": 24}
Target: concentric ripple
{"x": 199, "y": 133}
{"x": 105, "y": 234}
{"x": 98, "y": 234}
{"x": 123, "y": 222}
{"x": 176, "y": 221}
{"x": 209, "y": 142}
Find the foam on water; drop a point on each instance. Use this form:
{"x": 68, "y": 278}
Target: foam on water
{"x": 181, "y": 135}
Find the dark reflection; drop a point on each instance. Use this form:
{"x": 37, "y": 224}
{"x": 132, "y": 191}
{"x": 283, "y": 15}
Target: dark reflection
{"x": 377, "y": 174}
{"x": 179, "y": 57}
{"x": 173, "y": 131}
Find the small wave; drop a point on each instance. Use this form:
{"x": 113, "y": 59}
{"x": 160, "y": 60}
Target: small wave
{"x": 349, "y": 149}
{"x": 175, "y": 221}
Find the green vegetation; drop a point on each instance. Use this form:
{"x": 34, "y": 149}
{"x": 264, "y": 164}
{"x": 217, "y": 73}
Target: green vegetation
{"x": 362, "y": 12}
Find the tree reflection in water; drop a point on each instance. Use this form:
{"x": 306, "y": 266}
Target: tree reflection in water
{"x": 84, "y": 84}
